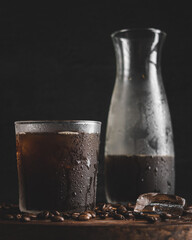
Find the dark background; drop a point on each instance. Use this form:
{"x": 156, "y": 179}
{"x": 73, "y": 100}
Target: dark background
{"x": 59, "y": 63}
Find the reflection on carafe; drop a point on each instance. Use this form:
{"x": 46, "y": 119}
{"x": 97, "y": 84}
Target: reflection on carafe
{"x": 139, "y": 151}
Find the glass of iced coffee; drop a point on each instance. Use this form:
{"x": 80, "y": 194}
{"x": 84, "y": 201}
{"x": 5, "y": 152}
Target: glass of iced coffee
{"x": 57, "y": 164}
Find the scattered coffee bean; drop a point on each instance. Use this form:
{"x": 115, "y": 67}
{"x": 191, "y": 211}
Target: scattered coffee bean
{"x": 57, "y": 219}
{"x": 18, "y": 216}
{"x": 87, "y": 213}
{"x": 51, "y": 215}
{"x": 32, "y": 216}
{"x": 165, "y": 216}
{"x": 111, "y": 214}
{"x": 25, "y": 219}
{"x": 128, "y": 215}
{"x": 121, "y": 209}
{"x": 188, "y": 210}
{"x": 75, "y": 216}
{"x": 130, "y": 206}
{"x": 43, "y": 215}
{"x": 103, "y": 215}
{"x": 107, "y": 208}
{"x": 99, "y": 212}
{"x": 93, "y": 214}
{"x": 118, "y": 217}
{"x": 116, "y": 205}
{"x": 66, "y": 215}
{"x": 138, "y": 215}
{"x": 151, "y": 219}
{"x": 56, "y": 213}
{"x": 83, "y": 217}
{"x": 102, "y": 210}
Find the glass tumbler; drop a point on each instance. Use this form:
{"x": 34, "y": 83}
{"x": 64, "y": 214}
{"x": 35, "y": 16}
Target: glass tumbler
{"x": 57, "y": 164}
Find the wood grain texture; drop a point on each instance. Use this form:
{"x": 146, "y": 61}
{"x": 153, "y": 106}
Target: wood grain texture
{"x": 96, "y": 229}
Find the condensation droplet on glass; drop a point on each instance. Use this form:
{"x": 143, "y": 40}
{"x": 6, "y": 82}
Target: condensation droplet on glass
{"x": 74, "y": 194}
{"x": 168, "y": 184}
{"x": 148, "y": 168}
{"x": 88, "y": 163}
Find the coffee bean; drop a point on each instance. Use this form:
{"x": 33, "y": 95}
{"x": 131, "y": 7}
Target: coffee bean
{"x": 32, "y": 216}
{"x": 66, "y": 215}
{"x": 87, "y": 213}
{"x": 100, "y": 205}
{"x": 113, "y": 209}
{"x": 151, "y": 219}
{"x": 43, "y": 215}
{"x": 51, "y": 215}
{"x": 75, "y": 216}
{"x": 18, "y": 216}
{"x": 165, "y": 216}
{"x": 111, "y": 214}
{"x": 130, "y": 206}
{"x": 93, "y": 214}
{"x": 56, "y": 213}
{"x": 57, "y": 219}
{"x": 138, "y": 215}
{"x": 118, "y": 217}
{"x": 83, "y": 217}
{"x": 103, "y": 215}
{"x": 128, "y": 215}
{"x": 96, "y": 209}
{"x": 99, "y": 212}
{"x": 8, "y": 217}
{"x": 121, "y": 209}
{"x": 25, "y": 219}
{"x": 107, "y": 207}
{"x": 116, "y": 205}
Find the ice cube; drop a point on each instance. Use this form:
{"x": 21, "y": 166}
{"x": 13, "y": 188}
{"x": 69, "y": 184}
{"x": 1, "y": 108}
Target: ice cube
{"x": 160, "y": 203}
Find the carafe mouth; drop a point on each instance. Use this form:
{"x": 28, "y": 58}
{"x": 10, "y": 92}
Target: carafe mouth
{"x": 137, "y": 32}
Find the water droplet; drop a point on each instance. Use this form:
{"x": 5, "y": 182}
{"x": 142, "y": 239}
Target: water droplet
{"x": 148, "y": 168}
{"x": 142, "y": 179}
{"x": 74, "y": 194}
{"x": 168, "y": 184}
{"x": 82, "y": 175}
{"x": 80, "y": 191}
{"x": 88, "y": 163}
{"x": 156, "y": 169}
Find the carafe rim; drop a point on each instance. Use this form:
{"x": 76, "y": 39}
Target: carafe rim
{"x": 129, "y": 30}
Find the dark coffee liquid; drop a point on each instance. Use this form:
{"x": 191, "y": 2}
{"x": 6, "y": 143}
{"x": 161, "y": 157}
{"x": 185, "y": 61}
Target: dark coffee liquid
{"x": 126, "y": 177}
{"x": 57, "y": 170}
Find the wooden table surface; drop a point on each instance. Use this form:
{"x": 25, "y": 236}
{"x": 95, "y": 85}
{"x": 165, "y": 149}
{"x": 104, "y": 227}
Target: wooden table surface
{"x": 108, "y": 229}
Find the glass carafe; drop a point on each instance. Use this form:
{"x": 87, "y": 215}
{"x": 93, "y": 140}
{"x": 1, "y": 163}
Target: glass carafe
{"x": 139, "y": 151}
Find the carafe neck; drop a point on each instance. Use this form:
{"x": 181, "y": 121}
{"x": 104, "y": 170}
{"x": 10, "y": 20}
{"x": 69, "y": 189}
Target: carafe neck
{"x": 138, "y": 53}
